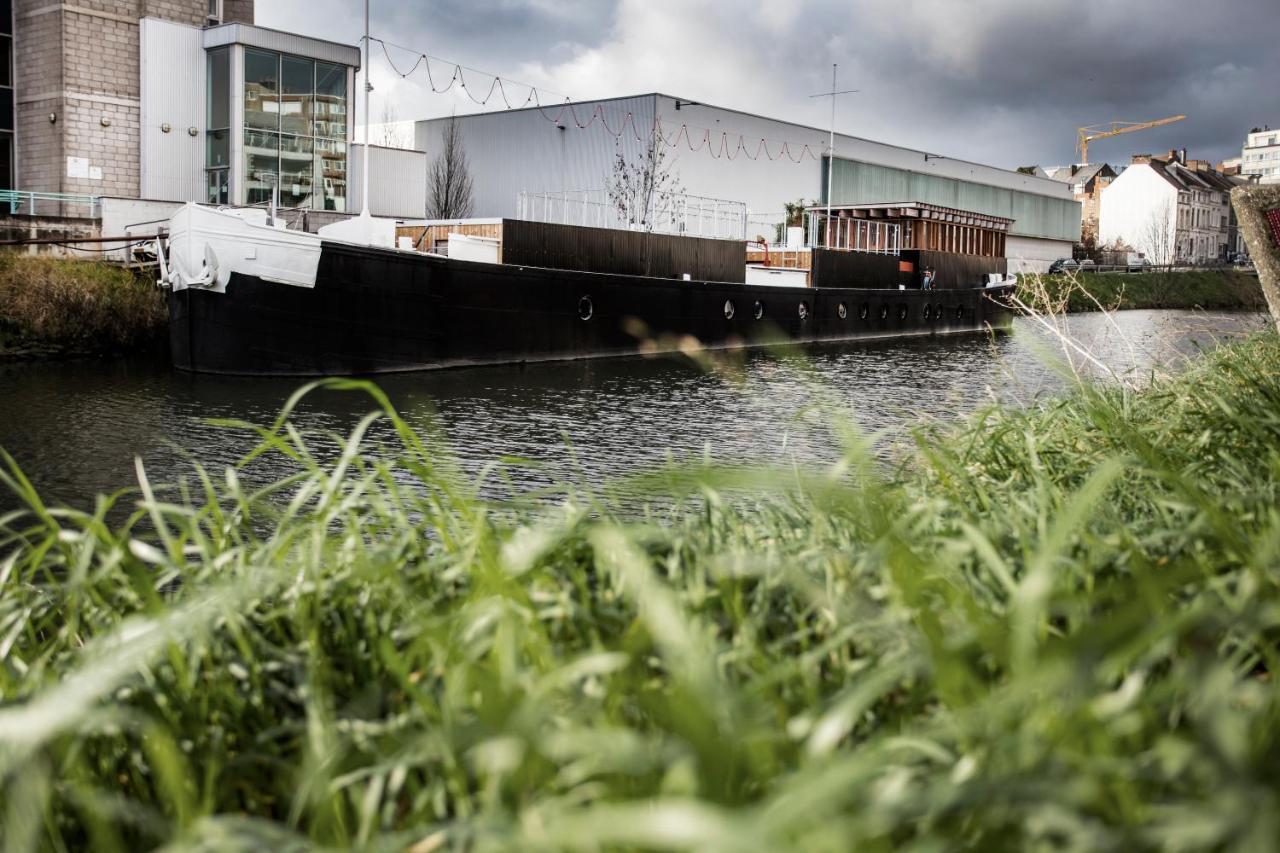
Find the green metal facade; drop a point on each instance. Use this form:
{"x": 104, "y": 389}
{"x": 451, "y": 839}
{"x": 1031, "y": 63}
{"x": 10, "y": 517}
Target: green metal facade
{"x": 1034, "y": 215}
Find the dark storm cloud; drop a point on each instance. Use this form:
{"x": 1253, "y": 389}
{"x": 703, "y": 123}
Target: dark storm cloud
{"x": 997, "y": 81}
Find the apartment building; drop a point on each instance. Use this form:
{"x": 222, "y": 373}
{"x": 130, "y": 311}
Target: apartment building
{"x": 1261, "y": 155}
{"x": 1172, "y": 209}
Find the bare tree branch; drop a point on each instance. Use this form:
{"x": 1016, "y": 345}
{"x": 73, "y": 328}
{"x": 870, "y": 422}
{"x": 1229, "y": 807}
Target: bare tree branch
{"x": 449, "y": 188}
{"x": 646, "y": 191}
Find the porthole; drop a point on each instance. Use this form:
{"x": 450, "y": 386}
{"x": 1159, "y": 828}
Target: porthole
{"x": 841, "y": 311}
{"x": 902, "y": 312}
{"x": 864, "y": 311}
{"x": 585, "y": 308}
{"x": 928, "y": 313}
{"x": 728, "y": 309}
{"x": 803, "y": 310}
{"x": 884, "y": 312}
{"x": 759, "y": 310}
{"x": 959, "y": 312}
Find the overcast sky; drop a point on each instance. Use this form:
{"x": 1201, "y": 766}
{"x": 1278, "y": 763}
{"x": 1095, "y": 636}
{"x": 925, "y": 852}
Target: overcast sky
{"x": 1004, "y": 82}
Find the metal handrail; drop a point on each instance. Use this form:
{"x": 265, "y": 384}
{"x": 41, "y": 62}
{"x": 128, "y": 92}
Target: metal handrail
{"x": 25, "y": 202}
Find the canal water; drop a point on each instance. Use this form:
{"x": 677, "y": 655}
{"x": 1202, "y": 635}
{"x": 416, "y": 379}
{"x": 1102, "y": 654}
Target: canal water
{"x": 76, "y": 427}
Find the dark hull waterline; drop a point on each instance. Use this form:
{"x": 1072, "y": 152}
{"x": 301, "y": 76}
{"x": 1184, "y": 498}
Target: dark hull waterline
{"x": 378, "y": 311}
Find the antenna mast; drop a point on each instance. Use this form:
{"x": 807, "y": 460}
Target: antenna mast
{"x": 368, "y": 89}
{"x": 831, "y": 145}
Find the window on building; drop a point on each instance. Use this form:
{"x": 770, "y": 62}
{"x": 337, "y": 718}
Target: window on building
{"x": 218, "y": 121}
{"x": 7, "y": 163}
{"x": 214, "y": 15}
{"x": 295, "y": 117}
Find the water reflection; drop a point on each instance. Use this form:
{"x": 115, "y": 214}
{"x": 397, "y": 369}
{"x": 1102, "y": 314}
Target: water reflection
{"x": 76, "y": 427}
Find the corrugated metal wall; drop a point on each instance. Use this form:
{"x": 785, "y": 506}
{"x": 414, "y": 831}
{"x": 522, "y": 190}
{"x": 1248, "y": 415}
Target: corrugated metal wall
{"x": 172, "y": 90}
{"x": 399, "y": 182}
{"x": 1034, "y": 215}
{"x": 515, "y": 150}
{"x": 608, "y": 250}
{"x": 524, "y": 150}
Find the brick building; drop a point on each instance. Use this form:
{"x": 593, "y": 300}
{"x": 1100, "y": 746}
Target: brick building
{"x": 182, "y": 100}
{"x": 1087, "y": 181}
{"x": 76, "y": 67}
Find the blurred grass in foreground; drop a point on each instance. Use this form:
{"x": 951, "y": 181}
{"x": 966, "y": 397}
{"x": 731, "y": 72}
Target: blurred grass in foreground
{"x": 1056, "y": 631}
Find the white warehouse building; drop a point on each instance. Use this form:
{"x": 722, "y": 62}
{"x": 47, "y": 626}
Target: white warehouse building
{"x": 764, "y": 163}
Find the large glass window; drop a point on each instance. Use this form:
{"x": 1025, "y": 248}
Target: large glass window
{"x": 295, "y": 131}
{"x": 331, "y": 169}
{"x": 261, "y": 165}
{"x": 297, "y": 171}
{"x": 261, "y": 90}
{"x": 297, "y": 91}
{"x": 331, "y": 101}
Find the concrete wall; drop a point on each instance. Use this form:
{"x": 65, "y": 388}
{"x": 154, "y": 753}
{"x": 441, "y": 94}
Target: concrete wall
{"x": 135, "y": 218}
{"x": 399, "y": 181}
{"x": 1028, "y": 255}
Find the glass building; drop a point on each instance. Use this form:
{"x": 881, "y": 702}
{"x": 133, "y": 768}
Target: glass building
{"x": 277, "y": 118}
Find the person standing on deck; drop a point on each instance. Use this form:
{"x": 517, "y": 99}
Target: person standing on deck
{"x": 927, "y": 283}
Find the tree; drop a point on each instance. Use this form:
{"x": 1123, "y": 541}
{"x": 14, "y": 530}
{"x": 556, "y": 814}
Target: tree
{"x": 1159, "y": 234}
{"x": 449, "y": 190}
{"x": 389, "y": 133}
{"x": 646, "y": 190}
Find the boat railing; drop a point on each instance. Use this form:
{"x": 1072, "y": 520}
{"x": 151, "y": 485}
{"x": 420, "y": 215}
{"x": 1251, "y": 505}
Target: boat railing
{"x": 845, "y": 233}
{"x": 664, "y": 213}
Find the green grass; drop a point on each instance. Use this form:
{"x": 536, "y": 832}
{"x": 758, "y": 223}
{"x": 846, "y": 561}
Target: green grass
{"x": 1213, "y": 290}
{"x": 54, "y": 306}
{"x": 1051, "y": 629}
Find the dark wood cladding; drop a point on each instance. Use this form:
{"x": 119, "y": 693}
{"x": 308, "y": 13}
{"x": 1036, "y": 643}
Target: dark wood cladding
{"x": 954, "y": 271}
{"x": 836, "y": 268}
{"x": 608, "y": 250}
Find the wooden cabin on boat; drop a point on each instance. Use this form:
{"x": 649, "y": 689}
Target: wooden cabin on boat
{"x": 892, "y": 244}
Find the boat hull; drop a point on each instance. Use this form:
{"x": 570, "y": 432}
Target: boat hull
{"x": 376, "y": 310}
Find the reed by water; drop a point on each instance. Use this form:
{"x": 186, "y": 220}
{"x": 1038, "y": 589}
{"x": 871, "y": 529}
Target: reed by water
{"x": 54, "y": 306}
{"x": 1051, "y": 628}
{"x": 1208, "y": 290}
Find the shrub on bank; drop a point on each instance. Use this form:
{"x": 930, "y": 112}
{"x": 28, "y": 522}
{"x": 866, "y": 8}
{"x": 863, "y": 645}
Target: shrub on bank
{"x": 76, "y": 306}
{"x": 1212, "y": 290}
{"x": 1053, "y": 628}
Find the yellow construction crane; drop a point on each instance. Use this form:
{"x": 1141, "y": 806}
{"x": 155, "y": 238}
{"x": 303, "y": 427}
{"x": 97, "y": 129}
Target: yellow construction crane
{"x": 1115, "y": 128}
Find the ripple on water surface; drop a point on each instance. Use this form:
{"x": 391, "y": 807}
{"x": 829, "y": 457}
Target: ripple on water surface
{"x": 76, "y": 427}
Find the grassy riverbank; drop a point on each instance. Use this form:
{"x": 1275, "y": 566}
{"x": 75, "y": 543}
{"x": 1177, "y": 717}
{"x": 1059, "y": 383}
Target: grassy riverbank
{"x": 52, "y": 307}
{"x": 1211, "y": 290}
{"x": 1056, "y": 629}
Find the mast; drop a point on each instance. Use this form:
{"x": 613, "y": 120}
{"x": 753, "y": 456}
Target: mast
{"x": 831, "y": 146}
{"x": 368, "y": 89}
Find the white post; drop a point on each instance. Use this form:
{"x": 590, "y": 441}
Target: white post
{"x": 368, "y": 89}
{"x": 831, "y": 146}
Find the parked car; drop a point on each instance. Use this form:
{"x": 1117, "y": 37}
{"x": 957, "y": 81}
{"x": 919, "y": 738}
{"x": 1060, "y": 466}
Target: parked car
{"x": 1063, "y": 265}
{"x": 1136, "y": 262}
{"x": 1087, "y": 265}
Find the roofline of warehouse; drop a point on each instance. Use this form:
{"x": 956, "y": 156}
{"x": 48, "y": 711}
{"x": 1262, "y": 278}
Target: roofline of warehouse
{"x": 1049, "y": 183}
